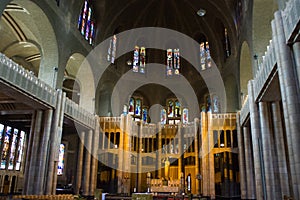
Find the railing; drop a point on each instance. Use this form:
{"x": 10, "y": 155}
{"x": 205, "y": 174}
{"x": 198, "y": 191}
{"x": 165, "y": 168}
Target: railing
{"x": 264, "y": 71}
{"x": 244, "y": 111}
{"x": 291, "y": 17}
{"x": 16, "y": 75}
{"x": 78, "y": 113}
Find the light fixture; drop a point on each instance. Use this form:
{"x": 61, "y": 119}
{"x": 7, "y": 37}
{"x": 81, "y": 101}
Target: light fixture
{"x": 201, "y": 12}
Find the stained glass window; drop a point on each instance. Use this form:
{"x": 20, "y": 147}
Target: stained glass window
{"x": 20, "y": 150}
{"x": 163, "y": 116}
{"x": 185, "y": 116}
{"x": 1, "y": 132}
{"x": 169, "y": 62}
{"x": 142, "y": 60}
{"x": 208, "y": 104}
{"x": 136, "y": 54}
{"x": 125, "y": 109}
{"x": 173, "y": 62}
{"x": 61, "y": 159}
{"x": 145, "y": 114}
{"x": 112, "y": 49}
{"x": 170, "y": 108}
{"x": 177, "y": 109}
{"x": 176, "y": 61}
{"x": 13, "y": 148}
{"x": 138, "y": 107}
{"x": 5, "y": 149}
{"x": 86, "y": 24}
{"x": 226, "y": 44}
{"x": 216, "y": 105}
{"x": 139, "y": 60}
{"x": 205, "y": 58}
{"x": 131, "y": 106}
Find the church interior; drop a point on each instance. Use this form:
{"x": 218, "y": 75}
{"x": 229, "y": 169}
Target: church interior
{"x": 157, "y": 97}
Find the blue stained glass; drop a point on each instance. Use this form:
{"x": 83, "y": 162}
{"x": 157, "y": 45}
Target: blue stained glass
{"x": 61, "y": 159}
{"x": 138, "y": 107}
{"x": 7, "y": 138}
{"x": 131, "y": 106}
{"x": 145, "y": 114}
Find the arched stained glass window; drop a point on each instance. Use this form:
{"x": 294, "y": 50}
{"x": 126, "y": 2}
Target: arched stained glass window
{"x": 61, "y": 159}
{"x": 86, "y": 23}
{"x": 112, "y": 49}
{"x": 205, "y": 58}
{"x": 136, "y": 108}
{"x": 20, "y": 150}
{"x": 139, "y": 60}
{"x": 13, "y": 149}
{"x": 7, "y": 138}
{"x": 173, "y": 62}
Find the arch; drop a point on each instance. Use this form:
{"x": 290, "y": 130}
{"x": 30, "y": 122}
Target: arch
{"x": 71, "y": 83}
{"x": 78, "y": 69}
{"x": 245, "y": 69}
{"x": 39, "y": 26}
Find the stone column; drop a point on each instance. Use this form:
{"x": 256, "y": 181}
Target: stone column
{"x": 211, "y": 162}
{"x": 32, "y": 153}
{"x": 126, "y": 157}
{"x": 242, "y": 167}
{"x": 249, "y": 164}
{"x": 95, "y": 148}
{"x": 40, "y": 182}
{"x": 280, "y": 150}
{"x": 56, "y": 130}
{"x": 267, "y": 150}
{"x": 121, "y": 163}
{"x": 290, "y": 99}
{"x": 196, "y": 121}
{"x": 28, "y": 154}
{"x": 296, "y": 51}
{"x": 204, "y": 155}
{"x": 79, "y": 162}
{"x": 34, "y": 165}
{"x": 255, "y": 134}
{"x": 159, "y": 149}
{"x": 180, "y": 150}
{"x": 140, "y": 155}
{"x": 87, "y": 163}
